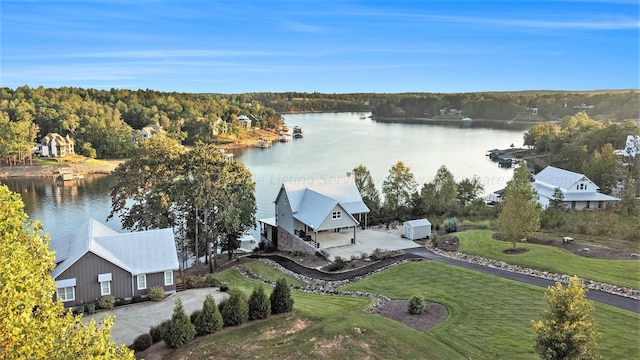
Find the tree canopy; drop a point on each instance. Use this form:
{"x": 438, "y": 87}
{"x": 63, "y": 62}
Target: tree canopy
{"x": 32, "y": 324}
{"x": 203, "y": 196}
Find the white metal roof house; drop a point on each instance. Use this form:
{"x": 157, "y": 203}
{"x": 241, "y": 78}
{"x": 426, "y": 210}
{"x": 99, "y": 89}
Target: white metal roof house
{"x": 96, "y": 260}
{"x": 303, "y": 211}
{"x": 579, "y": 192}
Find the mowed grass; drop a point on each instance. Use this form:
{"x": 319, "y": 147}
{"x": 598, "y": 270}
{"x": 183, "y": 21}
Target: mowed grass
{"x": 489, "y": 318}
{"x": 320, "y": 327}
{"x": 552, "y": 259}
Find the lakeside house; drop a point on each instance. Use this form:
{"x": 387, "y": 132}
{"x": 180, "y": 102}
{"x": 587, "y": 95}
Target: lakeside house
{"x": 578, "y": 191}
{"x": 306, "y": 214}
{"x": 96, "y": 261}
{"x": 151, "y": 130}
{"x": 55, "y": 145}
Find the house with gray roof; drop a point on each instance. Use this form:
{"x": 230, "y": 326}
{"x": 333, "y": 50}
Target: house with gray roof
{"x": 578, "y": 191}
{"x": 304, "y": 212}
{"x": 56, "y": 145}
{"x": 96, "y": 261}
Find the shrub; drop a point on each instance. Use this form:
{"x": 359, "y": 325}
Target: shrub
{"x": 194, "y": 315}
{"x": 338, "y": 264}
{"x": 224, "y": 287}
{"x": 156, "y": 293}
{"x": 209, "y": 320}
{"x": 259, "y": 305}
{"x": 120, "y": 302}
{"x": 202, "y": 281}
{"x": 107, "y": 302}
{"x": 180, "y": 330}
{"x": 157, "y": 332}
{"x": 450, "y": 224}
{"x": 222, "y": 304}
{"x": 142, "y": 342}
{"x": 415, "y": 306}
{"x": 236, "y": 310}
{"x": 137, "y": 299}
{"x": 281, "y": 301}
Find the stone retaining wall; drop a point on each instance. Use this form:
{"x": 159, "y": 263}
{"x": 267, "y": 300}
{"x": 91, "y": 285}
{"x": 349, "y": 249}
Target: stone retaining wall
{"x": 290, "y": 242}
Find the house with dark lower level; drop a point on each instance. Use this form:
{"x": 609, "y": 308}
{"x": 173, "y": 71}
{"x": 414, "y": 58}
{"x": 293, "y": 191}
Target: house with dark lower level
{"x": 305, "y": 212}
{"x": 96, "y": 261}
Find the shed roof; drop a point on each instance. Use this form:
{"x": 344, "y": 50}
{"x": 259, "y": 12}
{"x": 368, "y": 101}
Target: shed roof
{"x": 417, "y": 223}
{"x": 139, "y": 252}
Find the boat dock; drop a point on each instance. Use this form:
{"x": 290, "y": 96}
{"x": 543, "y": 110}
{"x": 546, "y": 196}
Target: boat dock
{"x": 512, "y": 156}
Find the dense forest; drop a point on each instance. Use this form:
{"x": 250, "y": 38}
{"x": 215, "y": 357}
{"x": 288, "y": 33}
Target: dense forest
{"x": 104, "y": 123}
{"x": 529, "y": 105}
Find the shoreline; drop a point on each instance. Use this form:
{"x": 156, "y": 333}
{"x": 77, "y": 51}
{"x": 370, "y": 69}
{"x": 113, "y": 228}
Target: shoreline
{"x": 415, "y": 120}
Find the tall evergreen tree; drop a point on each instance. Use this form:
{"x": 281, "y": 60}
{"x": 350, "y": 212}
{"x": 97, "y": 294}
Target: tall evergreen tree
{"x": 209, "y": 320}
{"x": 520, "y": 213}
{"x": 281, "y": 301}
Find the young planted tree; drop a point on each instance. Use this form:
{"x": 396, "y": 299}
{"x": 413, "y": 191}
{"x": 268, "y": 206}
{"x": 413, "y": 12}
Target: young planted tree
{"x": 180, "y": 330}
{"x": 520, "y": 213}
{"x": 209, "y": 320}
{"x": 567, "y": 329}
{"x": 259, "y": 304}
{"x": 281, "y": 301}
{"x": 235, "y": 310}
{"x": 32, "y": 324}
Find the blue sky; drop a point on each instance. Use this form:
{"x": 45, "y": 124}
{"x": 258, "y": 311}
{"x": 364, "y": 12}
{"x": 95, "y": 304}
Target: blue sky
{"x": 327, "y": 46}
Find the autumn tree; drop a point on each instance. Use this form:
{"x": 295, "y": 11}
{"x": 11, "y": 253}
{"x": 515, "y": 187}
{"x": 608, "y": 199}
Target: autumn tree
{"x": 520, "y": 213}
{"x": 398, "y": 188}
{"x": 603, "y": 168}
{"x": 32, "y": 324}
{"x": 567, "y": 329}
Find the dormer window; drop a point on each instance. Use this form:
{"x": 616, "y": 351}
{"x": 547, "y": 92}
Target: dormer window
{"x": 581, "y": 187}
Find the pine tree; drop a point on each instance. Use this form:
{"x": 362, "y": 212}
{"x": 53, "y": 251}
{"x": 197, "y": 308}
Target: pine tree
{"x": 259, "y": 304}
{"x": 281, "y": 301}
{"x": 180, "y": 330}
{"x": 567, "y": 330}
{"x": 209, "y": 320}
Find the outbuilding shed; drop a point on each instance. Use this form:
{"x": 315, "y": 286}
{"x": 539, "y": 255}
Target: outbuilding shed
{"x": 416, "y": 229}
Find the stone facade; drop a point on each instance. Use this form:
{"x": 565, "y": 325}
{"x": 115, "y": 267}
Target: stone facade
{"x": 290, "y": 242}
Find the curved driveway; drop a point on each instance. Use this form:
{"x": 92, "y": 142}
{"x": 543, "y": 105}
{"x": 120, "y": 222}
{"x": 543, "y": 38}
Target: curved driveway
{"x": 595, "y": 295}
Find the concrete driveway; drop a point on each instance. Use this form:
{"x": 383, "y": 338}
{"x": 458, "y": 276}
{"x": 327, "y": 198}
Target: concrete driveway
{"x": 367, "y": 241}
{"x": 136, "y": 319}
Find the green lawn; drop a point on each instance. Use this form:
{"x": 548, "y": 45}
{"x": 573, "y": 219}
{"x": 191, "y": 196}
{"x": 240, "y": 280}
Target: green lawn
{"x": 489, "y": 319}
{"x": 552, "y": 259}
{"x": 489, "y": 316}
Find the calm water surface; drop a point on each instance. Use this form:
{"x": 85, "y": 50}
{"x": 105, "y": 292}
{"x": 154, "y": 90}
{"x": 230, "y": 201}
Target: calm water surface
{"x": 333, "y": 144}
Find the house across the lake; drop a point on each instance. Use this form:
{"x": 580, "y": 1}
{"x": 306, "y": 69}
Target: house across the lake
{"x": 307, "y": 214}
{"x": 96, "y": 261}
{"x": 56, "y": 145}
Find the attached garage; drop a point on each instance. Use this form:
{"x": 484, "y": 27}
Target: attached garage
{"x": 416, "y": 229}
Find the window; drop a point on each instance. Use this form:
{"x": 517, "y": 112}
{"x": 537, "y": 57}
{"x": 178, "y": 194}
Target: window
{"x": 168, "y": 277}
{"x": 105, "y": 288}
{"x": 142, "y": 281}
{"x": 336, "y": 215}
{"x": 66, "y": 293}
{"x": 105, "y": 283}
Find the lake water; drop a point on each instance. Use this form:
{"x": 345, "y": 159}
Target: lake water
{"x": 333, "y": 144}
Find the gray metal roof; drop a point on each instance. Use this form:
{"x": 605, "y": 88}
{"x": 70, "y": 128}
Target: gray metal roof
{"x": 343, "y": 190}
{"x": 560, "y": 178}
{"x": 139, "y": 252}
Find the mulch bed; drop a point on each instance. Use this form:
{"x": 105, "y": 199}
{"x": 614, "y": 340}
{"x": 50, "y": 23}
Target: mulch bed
{"x": 433, "y": 315}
